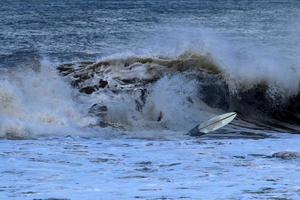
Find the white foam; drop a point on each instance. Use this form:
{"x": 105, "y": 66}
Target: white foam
{"x": 244, "y": 61}
{"x": 38, "y": 103}
{"x": 177, "y": 97}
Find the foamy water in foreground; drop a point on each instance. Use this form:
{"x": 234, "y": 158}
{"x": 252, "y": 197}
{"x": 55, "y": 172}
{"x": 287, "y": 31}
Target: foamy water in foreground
{"x": 74, "y": 168}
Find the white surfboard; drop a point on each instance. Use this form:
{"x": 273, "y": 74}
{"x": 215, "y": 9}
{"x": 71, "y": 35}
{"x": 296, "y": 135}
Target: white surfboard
{"x": 213, "y": 124}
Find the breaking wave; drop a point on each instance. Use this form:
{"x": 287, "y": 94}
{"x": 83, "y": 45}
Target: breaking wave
{"x": 36, "y": 102}
{"x": 173, "y": 88}
{"x": 176, "y": 93}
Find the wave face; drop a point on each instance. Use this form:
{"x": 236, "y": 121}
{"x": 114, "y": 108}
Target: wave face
{"x": 176, "y": 93}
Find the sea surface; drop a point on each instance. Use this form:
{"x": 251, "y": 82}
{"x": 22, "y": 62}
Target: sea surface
{"x": 97, "y": 99}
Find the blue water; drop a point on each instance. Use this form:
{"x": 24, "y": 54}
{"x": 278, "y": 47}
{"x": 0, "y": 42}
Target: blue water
{"x": 63, "y": 153}
{"x": 88, "y": 28}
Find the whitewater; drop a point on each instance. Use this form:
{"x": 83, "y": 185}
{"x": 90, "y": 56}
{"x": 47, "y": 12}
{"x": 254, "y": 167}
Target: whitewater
{"x": 97, "y": 98}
